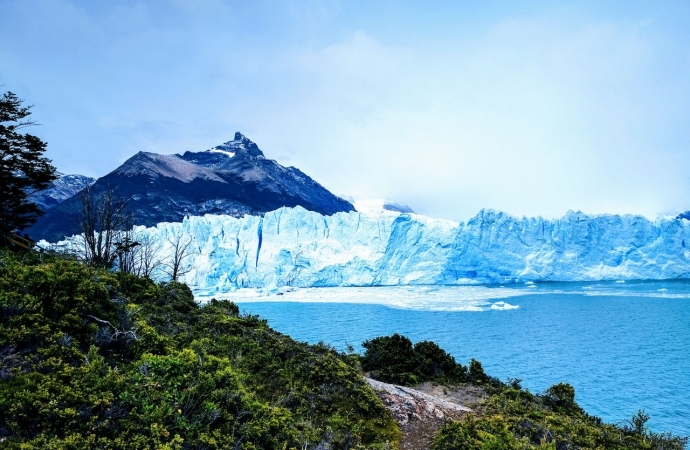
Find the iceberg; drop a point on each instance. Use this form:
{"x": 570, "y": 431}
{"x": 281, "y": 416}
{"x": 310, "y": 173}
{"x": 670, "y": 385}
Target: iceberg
{"x": 293, "y": 247}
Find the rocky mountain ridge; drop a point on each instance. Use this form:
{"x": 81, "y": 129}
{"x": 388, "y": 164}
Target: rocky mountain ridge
{"x": 64, "y": 187}
{"x": 234, "y": 178}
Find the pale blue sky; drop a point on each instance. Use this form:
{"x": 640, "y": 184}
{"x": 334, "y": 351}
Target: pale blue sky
{"x": 533, "y": 108}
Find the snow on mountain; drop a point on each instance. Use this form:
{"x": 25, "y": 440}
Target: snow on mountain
{"x": 64, "y": 187}
{"x": 378, "y": 206}
{"x": 296, "y": 247}
{"x": 240, "y": 143}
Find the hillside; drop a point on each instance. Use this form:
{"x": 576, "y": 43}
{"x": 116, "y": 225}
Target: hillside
{"x": 92, "y": 359}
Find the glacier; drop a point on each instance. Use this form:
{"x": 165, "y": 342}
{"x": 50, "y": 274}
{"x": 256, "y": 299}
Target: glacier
{"x": 300, "y": 248}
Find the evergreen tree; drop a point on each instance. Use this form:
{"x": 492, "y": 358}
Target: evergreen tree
{"x": 23, "y": 168}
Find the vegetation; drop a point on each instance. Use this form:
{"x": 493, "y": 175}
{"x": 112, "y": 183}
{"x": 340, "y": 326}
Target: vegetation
{"x": 108, "y": 240}
{"x": 23, "y": 168}
{"x": 95, "y": 359}
{"x": 103, "y": 222}
{"x": 393, "y": 359}
{"x": 515, "y": 419}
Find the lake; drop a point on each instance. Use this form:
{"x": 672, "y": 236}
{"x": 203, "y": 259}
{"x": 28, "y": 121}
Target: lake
{"x": 623, "y": 346}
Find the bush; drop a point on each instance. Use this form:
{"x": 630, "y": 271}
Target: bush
{"x": 561, "y": 396}
{"x": 390, "y": 359}
{"x": 484, "y": 434}
{"x": 516, "y": 419}
{"x": 434, "y": 363}
{"x": 393, "y": 359}
{"x": 476, "y": 372}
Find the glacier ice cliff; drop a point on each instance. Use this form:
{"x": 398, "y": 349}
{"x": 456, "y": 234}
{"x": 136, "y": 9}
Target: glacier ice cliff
{"x": 296, "y": 247}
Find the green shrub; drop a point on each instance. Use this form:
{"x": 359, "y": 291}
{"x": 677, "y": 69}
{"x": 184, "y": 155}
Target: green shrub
{"x": 485, "y": 434}
{"x": 476, "y": 373}
{"x": 393, "y": 359}
{"x": 516, "y": 419}
{"x": 434, "y": 363}
{"x": 561, "y": 396}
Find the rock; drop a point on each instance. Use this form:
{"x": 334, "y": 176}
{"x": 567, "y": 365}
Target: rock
{"x": 408, "y": 404}
{"x": 419, "y": 414}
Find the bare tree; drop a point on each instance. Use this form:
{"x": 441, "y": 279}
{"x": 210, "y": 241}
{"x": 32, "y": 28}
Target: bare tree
{"x": 148, "y": 255}
{"x": 10, "y": 358}
{"x": 139, "y": 253}
{"x": 103, "y": 222}
{"x": 180, "y": 252}
{"x": 127, "y": 250}
{"x": 108, "y": 240}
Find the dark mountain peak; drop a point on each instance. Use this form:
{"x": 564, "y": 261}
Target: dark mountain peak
{"x": 239, "y": 137}
{"x": 241, "y": 152}
{"x": 240, "y": 144}
{"x": 233, "y": 178}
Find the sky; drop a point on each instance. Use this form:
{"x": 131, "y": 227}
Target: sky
{"x": 532, "y": 107}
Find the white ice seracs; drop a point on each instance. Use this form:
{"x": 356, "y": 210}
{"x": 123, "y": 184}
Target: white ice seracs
{"x": 296, "y": 247}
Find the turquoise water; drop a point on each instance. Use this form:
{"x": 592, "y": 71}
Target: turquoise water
{"x": 623, "y": 346}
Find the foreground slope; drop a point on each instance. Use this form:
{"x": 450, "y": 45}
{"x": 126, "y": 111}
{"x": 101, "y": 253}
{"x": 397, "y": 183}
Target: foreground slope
{"x": 95, "y": 360}
{"x": 295, "y": 247}
{"x": 233, "y": 178}
{"x": 91, "y": 359}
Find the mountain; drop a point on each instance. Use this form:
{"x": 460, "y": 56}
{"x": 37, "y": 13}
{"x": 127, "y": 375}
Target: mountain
{"x": 234, "y": 178}
{"x": 295, "y": 247}
{"x": 378, "y": 206}
{"x": 64, "y": 187}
